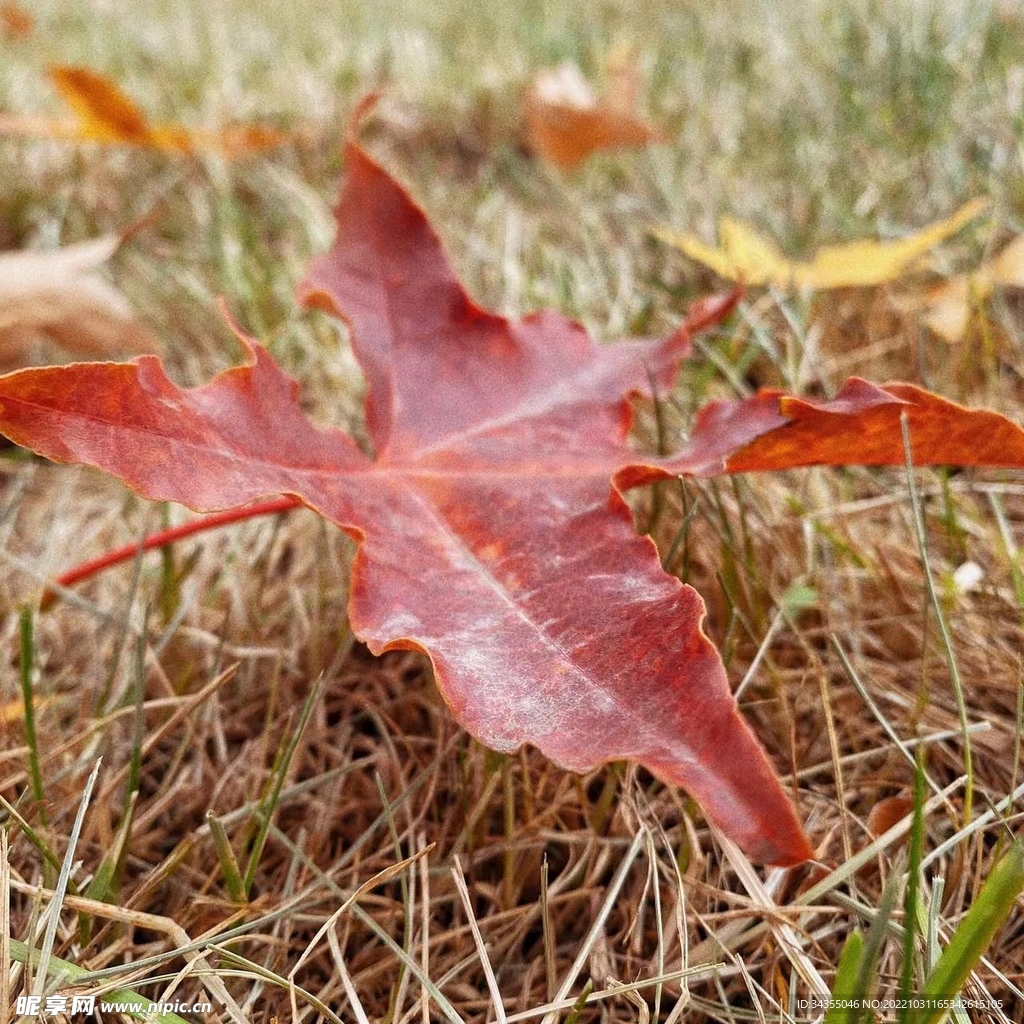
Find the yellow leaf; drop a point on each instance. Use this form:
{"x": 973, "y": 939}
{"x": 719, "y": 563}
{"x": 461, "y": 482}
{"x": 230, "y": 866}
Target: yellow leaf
{"x": 745, "y": 256}
{"x": 757, "y": 259}
{"x": 104, "y": 112}
{"x": 870, "y": 263}
{"x": 719, "y": 260}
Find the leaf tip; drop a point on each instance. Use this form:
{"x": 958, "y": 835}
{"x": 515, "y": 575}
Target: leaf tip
{"x": 360, "y": 112}
{"x": 313, "y": 297}
{"x": 710, "y": 310}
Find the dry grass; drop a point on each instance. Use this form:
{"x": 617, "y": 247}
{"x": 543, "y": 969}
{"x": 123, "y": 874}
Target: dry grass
{"x": 190, "y": 676}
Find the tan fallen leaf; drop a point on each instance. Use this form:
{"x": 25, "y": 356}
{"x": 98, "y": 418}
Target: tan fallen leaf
{"x": 566, "y": 122}
{"x": 15, "y": 21}
{"x": 887, "y": 812}
{"x": 950, "y": 304}
{"x": 105, "y": 114}
{"x": 59, "y": 296}
{"x": 743, "y": 255}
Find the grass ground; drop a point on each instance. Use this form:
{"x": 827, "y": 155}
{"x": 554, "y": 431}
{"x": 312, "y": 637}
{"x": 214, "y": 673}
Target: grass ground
{"x": 190, "y": 676}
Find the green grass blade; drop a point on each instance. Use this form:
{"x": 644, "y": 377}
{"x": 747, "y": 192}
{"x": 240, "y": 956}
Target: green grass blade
{"x": 27, "y": 645}
{"x": 104, "y": 884}
{"x": 67, "y": 971}
{"x": 226, "y": 855}
{"x": 139, "y": 721}
{"x": 867, "y": 975}
{"x": 106, "y": 881}
{"x": 574, "y": 1014}
{"x": 265, "y": 812}
{"x": 42, "y": 847}
{"x": 910, "y": 918}
{"x": 1018, "y": 732}
{"x": 975, "y": 933}
{"x": 845, "y": 984}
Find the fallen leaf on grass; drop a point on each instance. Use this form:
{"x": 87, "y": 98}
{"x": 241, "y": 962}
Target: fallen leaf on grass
{"x": 566, "y": 122}
{"x": 743, "y": 255}
{"x": 15, "y": 21}
{"x": 59, "y": 295}
{"x": 491, "y": 528}
{"x": 105, "y": 114}
{"x": 951, "y": 303}
{"x": 887, "y": 812}
{"x": 860, "y": 426}
{"x": 490, "y": 535}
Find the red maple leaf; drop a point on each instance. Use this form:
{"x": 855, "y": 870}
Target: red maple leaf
{"x": 490, "y": 535}
{"x": 491, "y": 529}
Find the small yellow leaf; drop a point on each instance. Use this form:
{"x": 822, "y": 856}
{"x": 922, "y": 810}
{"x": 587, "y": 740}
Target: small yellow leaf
{"x": 104, "y": 112}
{"x": 745, "y": 256}
{"x": 719, "y": 260}
{"x": 866, "y": 263}
{"x": 758, "y": 259}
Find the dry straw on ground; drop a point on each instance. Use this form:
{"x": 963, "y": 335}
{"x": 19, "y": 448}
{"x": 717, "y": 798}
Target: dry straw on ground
{"x": 204, "y": 663}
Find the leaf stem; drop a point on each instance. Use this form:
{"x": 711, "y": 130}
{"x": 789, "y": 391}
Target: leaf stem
{"x": 163, "y": 538}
